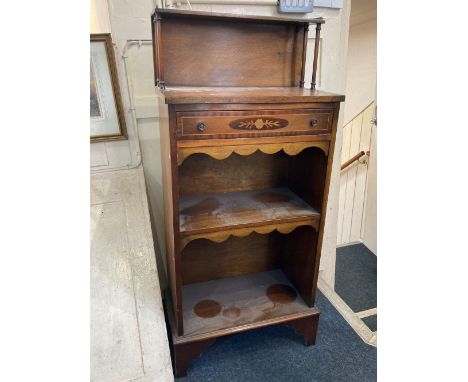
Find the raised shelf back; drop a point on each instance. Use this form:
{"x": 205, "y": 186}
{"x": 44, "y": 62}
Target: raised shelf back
{"x": 230, "y": 54}
{"x": 230, "y": 50}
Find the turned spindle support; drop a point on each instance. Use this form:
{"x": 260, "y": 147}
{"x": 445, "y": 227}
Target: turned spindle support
{"x": 316, "y": 52}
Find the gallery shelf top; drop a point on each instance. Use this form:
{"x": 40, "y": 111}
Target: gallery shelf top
{"x": 168, "y": 13}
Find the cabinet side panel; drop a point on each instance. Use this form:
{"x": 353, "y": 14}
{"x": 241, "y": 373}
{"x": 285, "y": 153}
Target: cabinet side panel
{"x": 298, "y": 261}
{"x": 307, "y": 175}
{"x": 325, "y": 196}
{"x": 167, "y": 159}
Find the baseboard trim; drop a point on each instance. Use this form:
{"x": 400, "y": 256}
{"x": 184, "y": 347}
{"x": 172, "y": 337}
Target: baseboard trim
{"x": 350, "y": 243}
{"x": 351, "y": 318}
{"x": 367, "y": 313}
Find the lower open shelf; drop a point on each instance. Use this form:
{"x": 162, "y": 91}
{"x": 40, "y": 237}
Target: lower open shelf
{"x": 236, "y": 301}
{"x": 205, "y": 213}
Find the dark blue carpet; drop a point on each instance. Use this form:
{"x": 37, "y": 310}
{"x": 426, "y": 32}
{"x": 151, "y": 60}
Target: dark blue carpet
{"x": 371, "y": 322}
{"x": 356, "y": 277}
{"x": 279, "y": 354}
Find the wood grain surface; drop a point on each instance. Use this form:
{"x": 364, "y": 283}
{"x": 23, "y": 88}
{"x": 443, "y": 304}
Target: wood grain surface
{"x": 224, "y": 151}
{"x": 246, "y": 295}
{"x": 245, "y": 95}
{"x": 211, "y": 212}
{"x": 205, "y": 260}
{"x": 238, "y": 124}
{"x": 230, "y": 53}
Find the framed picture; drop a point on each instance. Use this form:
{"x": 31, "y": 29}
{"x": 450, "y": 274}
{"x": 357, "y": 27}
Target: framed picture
{"x": 107, "y": 121}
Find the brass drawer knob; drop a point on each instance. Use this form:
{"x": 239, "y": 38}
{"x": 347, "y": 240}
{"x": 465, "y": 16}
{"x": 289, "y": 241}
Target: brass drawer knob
{"x": 314, "y": 122}
{"x": 201, "y": 126}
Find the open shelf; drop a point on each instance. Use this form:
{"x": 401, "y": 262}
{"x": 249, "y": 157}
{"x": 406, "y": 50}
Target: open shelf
{"x": 221, "y": 211}
{"x": 247, "y": 222}
{"x": 247, "y": 300}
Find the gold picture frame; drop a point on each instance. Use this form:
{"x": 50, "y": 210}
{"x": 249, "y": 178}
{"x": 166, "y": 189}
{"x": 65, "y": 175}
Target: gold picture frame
{"x": 107, "y": 119}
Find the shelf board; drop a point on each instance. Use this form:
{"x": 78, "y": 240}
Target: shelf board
{"x": 230, "y": 94}
{"x": 241, "y": 303}
{"x": 219, "y": 212}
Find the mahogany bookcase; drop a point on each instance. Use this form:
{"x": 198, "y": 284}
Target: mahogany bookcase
{"x": 247, "y": 154}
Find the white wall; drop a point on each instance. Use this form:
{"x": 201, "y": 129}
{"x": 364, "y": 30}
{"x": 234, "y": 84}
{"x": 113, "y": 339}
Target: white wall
{"x": 131, "y": 20}
{"x": 125, "y": 21}
{"x": 361, "y": 69}
{"x": 358, "y": 185}
{"x": 354, "y": 179}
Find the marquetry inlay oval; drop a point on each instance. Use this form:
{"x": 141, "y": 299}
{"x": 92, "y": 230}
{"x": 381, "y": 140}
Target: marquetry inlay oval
{"x": 258, "y": 123}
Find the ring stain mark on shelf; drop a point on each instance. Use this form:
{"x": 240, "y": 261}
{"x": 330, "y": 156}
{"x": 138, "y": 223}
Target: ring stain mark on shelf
{"x": 281, "y": 294}
{"x": 207, "y": 308}
{"x": 232, "y": 313}
{"x": 203, "y": 207}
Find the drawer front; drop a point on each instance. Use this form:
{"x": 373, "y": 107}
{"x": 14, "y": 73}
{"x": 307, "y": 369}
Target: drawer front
{"x": 253, "y": 123}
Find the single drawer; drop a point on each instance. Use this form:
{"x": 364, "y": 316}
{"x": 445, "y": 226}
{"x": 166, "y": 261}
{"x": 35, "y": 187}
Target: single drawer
{"x": 253, "y": 123}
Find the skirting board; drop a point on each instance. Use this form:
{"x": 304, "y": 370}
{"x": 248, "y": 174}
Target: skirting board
{"x": 351, "y": 318}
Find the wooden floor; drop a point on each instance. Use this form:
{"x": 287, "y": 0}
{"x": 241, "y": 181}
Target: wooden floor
{"x": 235, "y": 301}
{"x": 202, "y": 213}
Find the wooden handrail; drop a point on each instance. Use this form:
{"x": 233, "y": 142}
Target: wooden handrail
{"x": 353, "y": 159}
